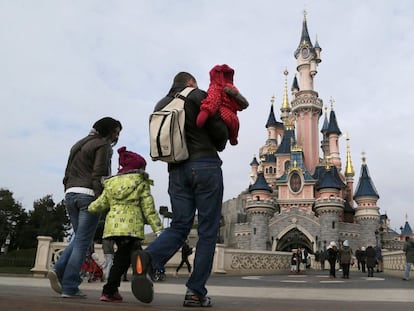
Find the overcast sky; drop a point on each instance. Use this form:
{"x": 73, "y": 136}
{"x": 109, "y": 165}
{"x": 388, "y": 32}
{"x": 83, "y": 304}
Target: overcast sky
{"x": 66, "y": 64}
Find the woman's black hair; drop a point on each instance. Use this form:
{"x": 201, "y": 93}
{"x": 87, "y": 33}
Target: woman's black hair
{"x": 107, "y": 126}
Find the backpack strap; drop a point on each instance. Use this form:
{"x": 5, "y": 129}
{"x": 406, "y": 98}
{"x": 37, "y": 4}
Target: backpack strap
{"x": 174, "y": 104}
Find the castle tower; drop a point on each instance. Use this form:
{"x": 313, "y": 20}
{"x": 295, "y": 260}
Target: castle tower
{"x": 329, "y": 206}
{"x": 367, "y": 211}
{"x": 260, "y": 208}
{"x": 325, "y": 141}
{"x": 333, "y": 133}
{"x": 349, "y": 173}
{"x": 253, "y": 174}
{"x": 307, "y": 106}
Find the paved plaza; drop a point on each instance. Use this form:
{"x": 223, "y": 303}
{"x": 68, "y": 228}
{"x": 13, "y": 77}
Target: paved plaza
{"x": 310, "y": 291}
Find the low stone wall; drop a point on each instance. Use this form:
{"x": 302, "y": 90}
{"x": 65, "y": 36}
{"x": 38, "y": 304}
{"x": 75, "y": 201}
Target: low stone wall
{"x": 226, "y": 260}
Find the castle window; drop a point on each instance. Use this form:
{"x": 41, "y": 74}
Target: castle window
{"x": 254, "y": 230}
{"x": 333, "y": 225}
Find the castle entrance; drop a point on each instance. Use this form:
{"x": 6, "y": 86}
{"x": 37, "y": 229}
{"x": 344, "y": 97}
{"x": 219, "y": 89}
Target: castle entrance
{"x": 294, "y": 239}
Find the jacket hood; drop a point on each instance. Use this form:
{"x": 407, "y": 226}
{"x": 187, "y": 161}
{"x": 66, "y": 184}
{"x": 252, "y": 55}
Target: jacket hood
{"x": 221, "y": 74}
{"x": 123, "y": 186}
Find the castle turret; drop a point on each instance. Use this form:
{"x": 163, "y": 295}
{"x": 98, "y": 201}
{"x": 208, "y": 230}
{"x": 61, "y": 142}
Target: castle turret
{"x": 325, "y": 141}
{"x": 367, "y": 211}
{"x": 329, "y": 206}
{"x": 260, "y": 208}
{"x": 333, "y": 133}
{"x": 254, "y": 165}
{"x": 307, "y": 106}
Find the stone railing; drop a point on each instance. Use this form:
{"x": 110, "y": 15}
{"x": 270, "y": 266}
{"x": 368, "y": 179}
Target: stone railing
{"x": 226, "y": 260}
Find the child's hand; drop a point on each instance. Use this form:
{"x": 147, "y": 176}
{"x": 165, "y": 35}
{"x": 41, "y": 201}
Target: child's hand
{"x": 201, "y": 118}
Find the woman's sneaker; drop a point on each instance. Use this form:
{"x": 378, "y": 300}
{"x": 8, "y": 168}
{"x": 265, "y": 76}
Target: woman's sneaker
{"x": 141, "y": 283}
{"x": 78, "y": 294}
{"x": 192, "y": 300}
{"x": 111, "y": 298}
{"x": 54, "y": 281}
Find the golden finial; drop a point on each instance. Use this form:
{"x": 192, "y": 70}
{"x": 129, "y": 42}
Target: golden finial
{"x": 406, "y": 217}
{"x": 305, "y": 13}
{"x": 363, "y": 158}
{"x": 328, "y": 162}
{"x": 349, "y": 169}
{"x": 285, "y": 103}
{"x": 272, "y": 99}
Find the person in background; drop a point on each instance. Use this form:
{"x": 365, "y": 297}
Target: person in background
{"x": 108, "y": 250}
{"x": 89, "y": 161}
{"x": 346, "y": 258}
{"x": 378, "y": 256}
{"x": 128, "y": 197}
{"x": 363, "y": 259}
{"x": 409, "y": 257}
{"x": 195, "y": 186}
{"x": 332, "y": 257}
{"x": 371, "y": 260}
{"x": 186, "y": 251}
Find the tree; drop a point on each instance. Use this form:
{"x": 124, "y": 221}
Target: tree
{"x": 12, "y": 215}
{"x": 48, "y": 219}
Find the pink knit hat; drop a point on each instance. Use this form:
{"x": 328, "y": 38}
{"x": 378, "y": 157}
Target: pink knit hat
{"x": 129, "y": 161}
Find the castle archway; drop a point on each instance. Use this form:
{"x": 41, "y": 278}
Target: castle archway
{"x": 294, "y": 239}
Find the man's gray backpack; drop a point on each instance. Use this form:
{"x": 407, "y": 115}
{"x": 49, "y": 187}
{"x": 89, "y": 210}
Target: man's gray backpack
{"x": 167, "y": 135}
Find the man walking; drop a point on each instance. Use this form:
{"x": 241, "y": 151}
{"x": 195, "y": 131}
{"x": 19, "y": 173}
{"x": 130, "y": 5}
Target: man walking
{"x": 409, "y": 257}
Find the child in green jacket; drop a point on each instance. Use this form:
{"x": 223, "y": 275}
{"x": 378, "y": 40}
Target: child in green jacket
{"x": 128, "y": 197}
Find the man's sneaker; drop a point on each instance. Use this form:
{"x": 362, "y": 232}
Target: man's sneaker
{"x": 141, "y": 283}
{"x": 192, "y": 300}
{"x": 111, "y": 298}
{"x": 54, "y": 281}
{"x": 78, "y": 294}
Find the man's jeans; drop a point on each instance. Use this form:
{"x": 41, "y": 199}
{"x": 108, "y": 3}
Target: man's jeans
{"x": 193, "y": 186}
{"x": 84, "y": 226}
{"x": 407, "y": 270}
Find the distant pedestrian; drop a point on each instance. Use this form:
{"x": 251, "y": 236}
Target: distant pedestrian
{"x": 363, "y": 259}
{"x": 332, "y": 256}
{"x": 186, "y": 251}
{"x": 409, "y": 257}
{"x": 371, "y": 260}
{"x": 108, "y": 250}
{"x": 322, "y": 258}
{"x": 378, "y": 257}
{"x": 346, "y": 259}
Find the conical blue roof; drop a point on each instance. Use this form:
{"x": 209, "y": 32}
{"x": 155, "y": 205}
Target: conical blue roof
{"x": 333, "y": 125}
{"x": 325, "y": 124}
{"x": 407, "y": 229}
{"x": 304, "y": 39}
{"x": 286, "y": 143}
{"x": 271, "y": 120}
{"x": 365, "y": 185}
{"x": 260, "y": 184}
{"x": 295, "y": 84}
{"x": 329, "y": 179}
{"x": 254, "y": 162}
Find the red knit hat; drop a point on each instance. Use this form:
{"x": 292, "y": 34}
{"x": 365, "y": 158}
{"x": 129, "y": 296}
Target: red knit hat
{"x": 129, "y": 161}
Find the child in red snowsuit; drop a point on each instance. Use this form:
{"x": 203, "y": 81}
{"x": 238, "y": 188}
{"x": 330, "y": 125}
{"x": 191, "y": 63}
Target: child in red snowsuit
{"x": 224, "y": 97}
